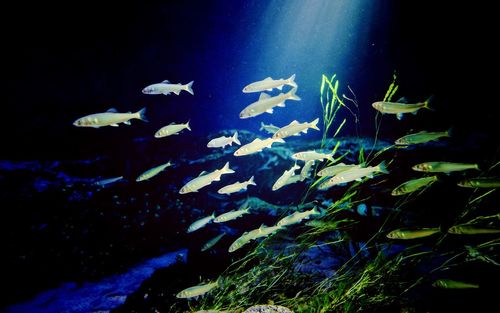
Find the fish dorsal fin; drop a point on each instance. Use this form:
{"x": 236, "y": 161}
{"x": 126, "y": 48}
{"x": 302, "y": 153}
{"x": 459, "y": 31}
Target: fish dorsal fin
{"x": 112, "y": 110}
{"x": 202, "y": 173}
{"x": 165, "y": 81}
{"x": 294, "y": 122}
{"x": 263, "y": 96}
{"x": 402, "y": 100}
{"x": 268, "y": 78}
{"x": 262, "y": 227}
{"x": 257, "y": 140}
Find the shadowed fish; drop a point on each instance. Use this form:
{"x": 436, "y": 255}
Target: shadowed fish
{"x": 465, "y": 229}
{"x": 480, "y": 182}
{"x": 443, "y": 167}
{"x": 405, "y": 234}
{"x": 231, "y": 215}
{"x": 413, "y": 185}
{"x": 421, "y": 137}
{"x": 153, "y": 172}
{"x": 453, "y": 284}
{"x": 212, "y": 242}
{"x": 197, "y": 291}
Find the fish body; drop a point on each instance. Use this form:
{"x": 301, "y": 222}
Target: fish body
{"x": 399, "y": 108}
{"x": 223, "y": 141}
{"x": 480, "y": 182}
{"x": 306, "y": 169}
{"x": 165, "y": 88}
{"x": 205, "y": 179}
{"x": 356, "y": 173}
{"x": 262, "y": 231}
{"x": 297, "y": 217}
{"x": 269, "y": 84}
{"x": 295, "y": 128}
{"x": 153, "y": 172}
{"x": 294, "y": 179}
{"x": 471, "y": 230}
{"x": 443, "y": 167}
{"x": 312, "y": 156}
{"x": 282, "y": 180}
{"x": 172, "y": 129}
{"x": 413, "y": 185}
{"x": 202, "y": 222}
{"x": 266, "y": 103}
{"x": 257, "y": 146}
{"x": 335, "y": 169}
{"x": 270, "y": 128}
{"x": 266, "y": 231}
{"x": 197, "y": 291}
{"x": 453, "y": 284}
{"x": 110, "y": 118}
{"x": 236, "y": 187}
{"x": 231, "y": 215}
{"x": 241, "y": 241}
{"x": 108, "y": 181}
{"x": 421, "y": 137}
{"x": 405, "y": 234}
{"x": 212, "y": 242}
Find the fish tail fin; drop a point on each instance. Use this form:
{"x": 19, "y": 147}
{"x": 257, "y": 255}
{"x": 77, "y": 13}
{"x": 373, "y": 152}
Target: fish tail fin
{"x": 292, "y": 95}
{"x": 382, "y": 167}
{"x": 314, "y": 124}
{"x": 213, "y": 215}
{"x": 187, "y": 125}
{"x": 279, "y": 140}
{"x": 226, "y": 169}
{"x": 291, "y": 81}
{"x": 261, "y": 126}
{"x": 476, "y": 167}
{"x": 141, "y": 114}
{"x": 450, "y": 132}
{"x": 188, "y": 87}
{"x": 330, "y": 157}
{"x": 316, "y": 210}
{"x": 428, "y": 104}
{"x": 251, "y": 181}
{"x": 235, "y": 138}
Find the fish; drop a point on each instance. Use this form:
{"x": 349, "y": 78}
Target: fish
{"x": 107, "y": 181}
{"x": 306, "y": 169}
{"x": 292, "y": 180}
{"x": 257, "y": 146}
{"x": 413, "y": 185}
{"x": 262, "y": 231}
{"x": 421, "y": 137}
{"x": 266, "y": 103}
{"x": 453, "y": 284}
{"x": 356, "y": 173}
{"x": 443, "y": 167}
{"x": 197, "y": 291}
{"x": 265, "y": 231}
{"x": 237, "y": 186}
{"x": 241, "y": 241}
{"x": 400, "y": 108}
{"x": 212, "y": 242}
{"x": 110, "y": 118}
{"x": 269, "y": 84}
{"x": 405, "y": 234}
{"x": 205, "y": 179}
{"x": 165, "y": 88}
{"x": 312, "y": 156}
{"x": 231, "y": 215}
{"x": 172, "y": 129}
{"x": 295, "y": 128}
{"x": 202, "y": 222}
{"x": 465, "y": 229}
{"x": 297, "y": 217}
{"x": 480, "y": 182}
{"x": 270, "y": 128}
{"x": 153, "y": 172}
{"x": 223, "y": 141}
{"x": 281, "y": 181}
{"x": 335, "y": 169}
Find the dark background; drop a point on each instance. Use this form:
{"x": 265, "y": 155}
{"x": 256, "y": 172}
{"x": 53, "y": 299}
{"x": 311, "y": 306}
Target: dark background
{"x": 61, "y": 63}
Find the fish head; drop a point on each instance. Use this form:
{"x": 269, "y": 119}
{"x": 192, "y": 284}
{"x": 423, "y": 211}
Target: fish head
{"x": 182, "y": 294}
{"x": 246, "y": 113}
{"x": 241, "y": 151}
{"x": 378, "y": 105}
{"x": 85, "y": 121}
{"x": 453, "y": 230}
{"x": 439, "y": 284}
{"x": 248, "y": 89}
{"x": 184, "y": 190}
{"x": 395, "y": 234}
{"x": 297, "y": 156}
{"x": 149, "y": 90}
{"x": 401, "y": 142}
{"x": 467, "y": 183}
{"x": 422, "y": 167}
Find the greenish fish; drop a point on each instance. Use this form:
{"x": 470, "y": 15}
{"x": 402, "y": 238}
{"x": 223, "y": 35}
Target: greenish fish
{"x": 412, "y": 233}
{"x": 421, "y": 137}
{"x": 335, "y": 169}
{"x": 480, "y": 182}
{"x": 269, "y": 128}
{"x": 231, "y": 215}
{"x": 444, "y": 167}
{"x": 413, "y": 185}
{"x": 212, "y": 242}
{"x": 453, "y": 284}
{"x": 400, "y": 108}
{"x": 297, "y": 217}
{"x": 306, "y": 169}
{"x": 153, "y": 172}
{"x": 197, "y": 291}
{"x": 465, "y": 229}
